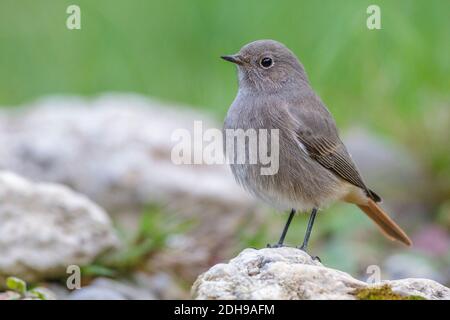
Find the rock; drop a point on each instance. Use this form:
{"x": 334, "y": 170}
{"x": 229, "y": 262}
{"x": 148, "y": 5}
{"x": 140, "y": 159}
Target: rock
{"x": 138, "y": 286}
{"x": 46, "y": 227}
{"x": 289, "y": 273}
{"x": 94, "y": 293}
{"x": 426, "y": 288}
{"x": 135, "y": 286}
{"x": 108, "y": 289}
{"x": 162, "y": 285}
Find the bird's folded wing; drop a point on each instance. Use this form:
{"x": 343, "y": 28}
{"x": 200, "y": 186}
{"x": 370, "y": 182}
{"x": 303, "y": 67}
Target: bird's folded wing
{"x": 317, "y": 132}
{"x": 332, "y": 155}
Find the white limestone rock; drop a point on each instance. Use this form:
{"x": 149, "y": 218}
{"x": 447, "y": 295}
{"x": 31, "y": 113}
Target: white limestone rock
{"x": 46, "y": 227}
{"x": 289, "y": 273}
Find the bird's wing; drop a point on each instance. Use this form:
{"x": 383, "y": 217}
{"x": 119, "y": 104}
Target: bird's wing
{"x": 317, "y": 132}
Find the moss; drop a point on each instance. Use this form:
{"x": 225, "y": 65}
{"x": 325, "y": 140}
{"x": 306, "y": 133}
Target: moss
{"x": 382, "y": 293}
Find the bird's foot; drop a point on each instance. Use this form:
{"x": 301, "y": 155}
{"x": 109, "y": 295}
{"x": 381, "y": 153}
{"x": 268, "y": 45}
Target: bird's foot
{"x": 277, "y": 245}
{"x": 315, "y": 258}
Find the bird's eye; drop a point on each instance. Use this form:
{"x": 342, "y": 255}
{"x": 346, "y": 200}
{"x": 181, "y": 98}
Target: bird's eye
{"x": 266, "y": 62}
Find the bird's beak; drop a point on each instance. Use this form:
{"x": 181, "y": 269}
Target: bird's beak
{"x": 235, "y": 58}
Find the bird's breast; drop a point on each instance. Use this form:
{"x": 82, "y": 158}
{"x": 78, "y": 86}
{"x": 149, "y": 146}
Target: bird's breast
{"x": 300, "y": 182}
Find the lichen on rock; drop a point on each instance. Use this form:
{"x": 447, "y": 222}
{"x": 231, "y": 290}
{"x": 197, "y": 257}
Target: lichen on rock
{"x": 383, "y": 292}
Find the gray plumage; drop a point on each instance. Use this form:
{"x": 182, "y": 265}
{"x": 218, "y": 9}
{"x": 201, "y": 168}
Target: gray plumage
{"x": 315, "y": 167}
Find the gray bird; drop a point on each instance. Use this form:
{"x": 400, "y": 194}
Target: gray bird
{"x": 315, "y": 168}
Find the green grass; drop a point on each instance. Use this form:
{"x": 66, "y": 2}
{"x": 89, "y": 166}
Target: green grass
{"x": 154, "y": 229}
{"x": 170, "y": 49}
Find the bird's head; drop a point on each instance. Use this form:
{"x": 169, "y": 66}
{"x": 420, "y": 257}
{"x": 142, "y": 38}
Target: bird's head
{"x": 267, "y": 65}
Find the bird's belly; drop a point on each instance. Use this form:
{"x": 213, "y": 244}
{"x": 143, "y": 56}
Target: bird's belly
{"x": 302, "y": 186}
{"x": 300, "y": 183}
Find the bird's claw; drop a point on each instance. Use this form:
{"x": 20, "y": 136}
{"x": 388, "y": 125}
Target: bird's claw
{"x": 273, "y": 246}
{"x": 315, "y": 258}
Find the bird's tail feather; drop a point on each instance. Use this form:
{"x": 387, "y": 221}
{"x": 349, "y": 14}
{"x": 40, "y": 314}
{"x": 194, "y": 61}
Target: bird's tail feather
{"x": 389, "y": 228}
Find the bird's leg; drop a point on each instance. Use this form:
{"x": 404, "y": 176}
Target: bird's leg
{"x": 285, "y": 230}
{"x": 304, "y": 246}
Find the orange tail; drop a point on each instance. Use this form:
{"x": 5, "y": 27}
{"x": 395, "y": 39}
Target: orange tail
{"x": 389, "y": 228}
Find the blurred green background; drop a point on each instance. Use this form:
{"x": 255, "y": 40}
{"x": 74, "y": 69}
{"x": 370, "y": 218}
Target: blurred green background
{"x": 394, "y": 81}
{"x": 388, "y": 79}
{"x": 170, "y": 49}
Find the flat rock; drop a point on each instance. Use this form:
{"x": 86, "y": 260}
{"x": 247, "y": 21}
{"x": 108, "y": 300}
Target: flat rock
{"x": 289, "y": 273}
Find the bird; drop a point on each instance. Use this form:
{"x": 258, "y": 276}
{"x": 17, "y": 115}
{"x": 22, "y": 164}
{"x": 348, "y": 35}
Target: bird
{"x": 315, "y": 168}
